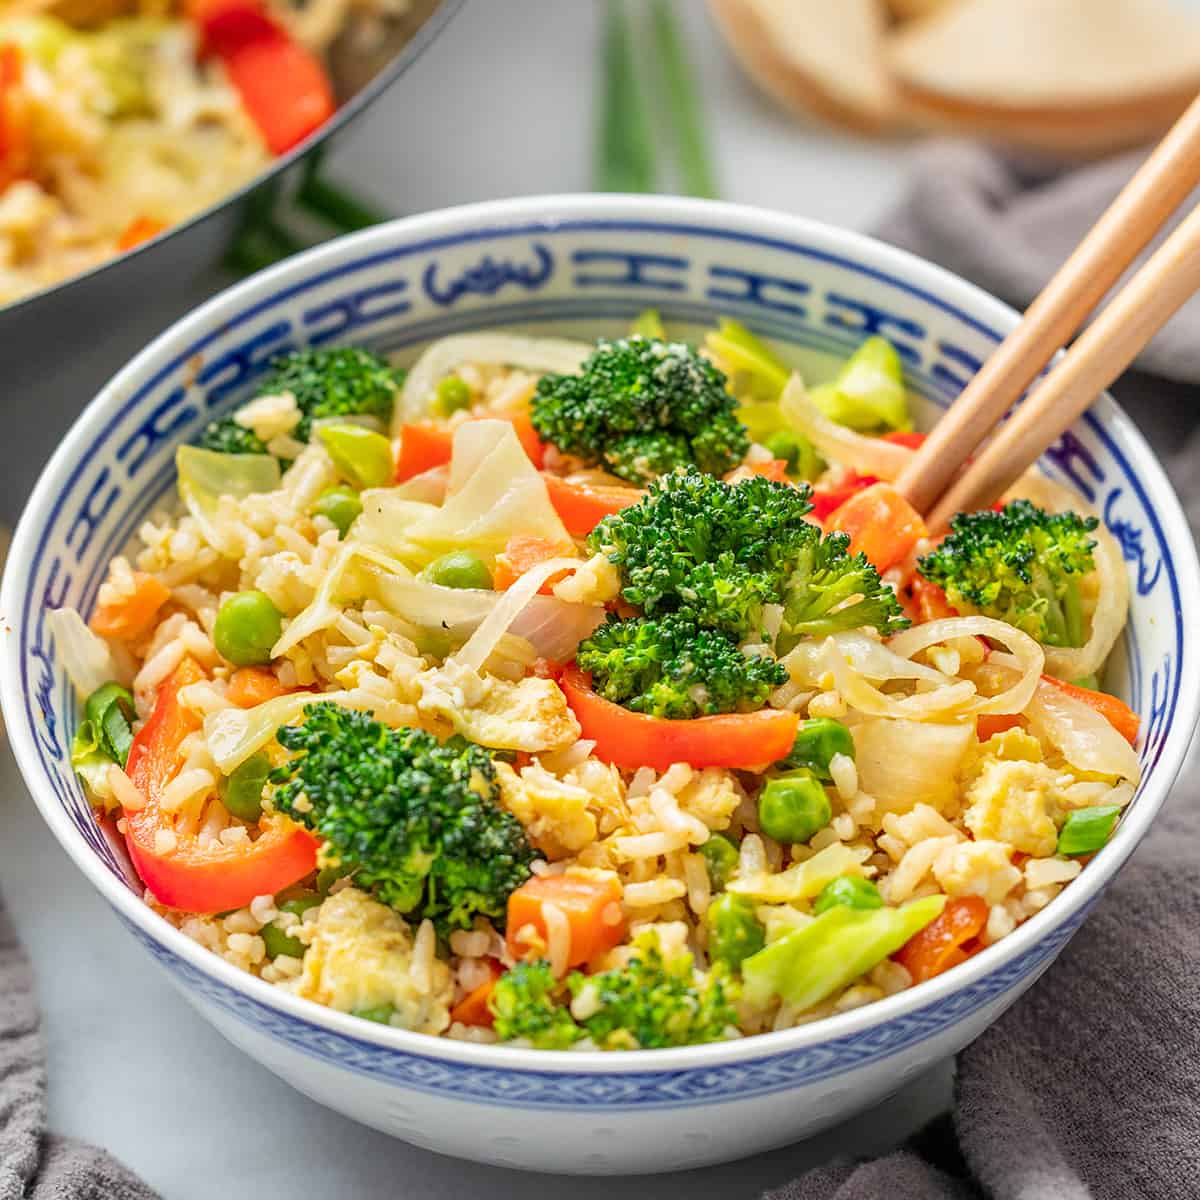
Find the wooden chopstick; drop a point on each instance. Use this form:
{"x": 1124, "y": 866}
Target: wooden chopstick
{"x": 1105, "y": 348}
{"x": 1160, "y": 185}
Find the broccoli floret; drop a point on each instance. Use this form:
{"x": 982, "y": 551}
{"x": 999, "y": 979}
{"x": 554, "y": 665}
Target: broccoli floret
{"x": 642, "y": 406}
{"x": 341, "y": 382}
{"x": 527, "y": 1002}
{"x": 831, "y": 590}
{"x": 669, "y": 667}
{"x": 1022, "y": 565}
{"x": 416, "y": 821}
{"x": 721, "y": 552}
{"x": 653, "y": 1002}
{"x": 650, "y": 1003}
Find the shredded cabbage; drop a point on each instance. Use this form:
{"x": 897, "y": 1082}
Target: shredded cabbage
{"x": 1083, "y": 737}
{"x": 207, "y": 475}
{"x": 86, "y": 657}
{"x": 904, "y": 763}
{"x": 233, "y": 734}
{"x": 540, "y": 355}
{"x": 493, "y": 492}
{"x": 804, "y": 880}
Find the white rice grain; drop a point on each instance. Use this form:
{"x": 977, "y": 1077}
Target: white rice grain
{"x": 128, "y": 795}
{"x": 558, "y": 938}
{"x": 845, "y": 776}
{"x": 424, "y": 948}
{"x": 654, "y": 891}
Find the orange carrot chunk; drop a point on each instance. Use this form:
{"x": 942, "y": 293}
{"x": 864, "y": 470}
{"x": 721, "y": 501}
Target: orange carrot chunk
{"x": 881, "y": 524}
{"x": 524, "y": 553}
{"x": 251, "y": 686}
{"x": 944, "y": 942}
{"x": 592, "y": 907}
{"x": 474, "y": 1008}
{"x": 129, "y": 617}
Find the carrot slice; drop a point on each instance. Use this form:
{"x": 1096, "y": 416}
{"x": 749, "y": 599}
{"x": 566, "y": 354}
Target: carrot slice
{"x": 582, "y": 506}
{"x": 943, "y": 943}
{"x": 139, "y": 230}
{"x": 881, "y": 524}
{"x": 1116, "y": 712}
{"x": 523, "y": 553}
{"x": 251, "y": 686}
{"x": 474, "y": 1008}
{"x": 591, "y": 905}
{"x": 930, "y": 600}
{"x": 128, "y": 618}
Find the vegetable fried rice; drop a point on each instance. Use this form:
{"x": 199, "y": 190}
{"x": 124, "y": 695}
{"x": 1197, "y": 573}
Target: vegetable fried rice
{"x": 120, "y": 118}
{"x": 596, "y": 696}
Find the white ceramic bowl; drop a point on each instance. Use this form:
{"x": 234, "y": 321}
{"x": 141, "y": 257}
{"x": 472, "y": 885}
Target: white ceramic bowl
{"x": 577, "y": 265}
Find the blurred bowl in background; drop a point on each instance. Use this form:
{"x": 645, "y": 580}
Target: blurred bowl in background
{"x": 59, "y": 345}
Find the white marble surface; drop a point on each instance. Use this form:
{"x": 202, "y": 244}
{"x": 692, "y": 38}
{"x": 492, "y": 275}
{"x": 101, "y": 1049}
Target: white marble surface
{"x": 499, "y": 106}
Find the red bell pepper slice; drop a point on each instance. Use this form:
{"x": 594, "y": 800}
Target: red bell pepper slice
{"x": 282, "y": 84}
{"x": 629, "y": 739}
{"x": 191, "y": 876}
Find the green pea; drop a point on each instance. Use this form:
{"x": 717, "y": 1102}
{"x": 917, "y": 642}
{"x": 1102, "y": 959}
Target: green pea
{"x": 460, "y": 569}
{"x": 361, "y": 455}
{"x": 720, "y": 857}
{"x": 380, "y": 1013}
{"x": 241, "y": 791}
{"x": 733, "y": 930}
{"x": 1087, "y": 829}
{"x": 453, "y": 394}
{"x": 340, "y": 505}
{"x": 851, "y": 890}
{"x": 793, "y": 807}
{"x": 247, "y": 626}
{"x": 817, "y": 741}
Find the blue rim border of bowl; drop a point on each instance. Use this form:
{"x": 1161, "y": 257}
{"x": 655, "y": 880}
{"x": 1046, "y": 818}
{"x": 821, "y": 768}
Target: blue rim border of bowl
{"x": 932, "y": 1015}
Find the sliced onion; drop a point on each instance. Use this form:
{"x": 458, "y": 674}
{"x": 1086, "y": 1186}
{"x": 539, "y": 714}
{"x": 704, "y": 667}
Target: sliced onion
{"x": 947, "y": 700}
{"x": 502, "y": 618}
{"x": 1108, "y": 617}
{"x": 866, "y": 455}
{"x": 501, "y": 349}
{"x": 554, "y": 627}
{"x": 86, "y": 657}
{"x": 1029, "y": 660}
{"x": 1086, "y": 740}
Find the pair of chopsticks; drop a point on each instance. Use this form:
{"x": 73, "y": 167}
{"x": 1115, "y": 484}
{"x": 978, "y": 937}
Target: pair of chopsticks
{"x": 936, "y": 482}
{"x": 628, "y": 140}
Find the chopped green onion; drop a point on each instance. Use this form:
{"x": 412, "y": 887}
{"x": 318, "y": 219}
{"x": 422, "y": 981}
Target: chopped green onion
{"x": 1087, "y": 829}
{"x": 110, "y": 711}
{"x": 241, "y": 792}
{"x": 624, "y": 146}
{"x": 337, "y": 207}
{"x": 363, "y": 456}
{"x": 684, "y": 105}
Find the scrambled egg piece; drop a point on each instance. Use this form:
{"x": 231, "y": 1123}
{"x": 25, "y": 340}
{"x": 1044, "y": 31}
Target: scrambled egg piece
{"x": 1012, "y": 796}
{"x": 553, "y": 811}
{"x": 530, "y": 715}
{"x": 596, "y": 581}
{"x": 711, "y": 795}
{"x": 981, "y": 868}
{"x": 360, "y": 955}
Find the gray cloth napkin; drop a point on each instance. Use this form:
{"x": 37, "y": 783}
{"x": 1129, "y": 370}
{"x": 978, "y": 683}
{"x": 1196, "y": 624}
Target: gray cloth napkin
{"x": 1007, "y": 223}
{"x": 35, "y": 1164}
{"x": 1089, "y": 1087}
